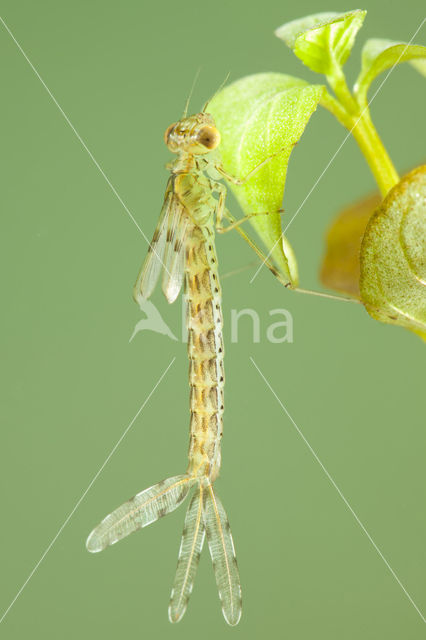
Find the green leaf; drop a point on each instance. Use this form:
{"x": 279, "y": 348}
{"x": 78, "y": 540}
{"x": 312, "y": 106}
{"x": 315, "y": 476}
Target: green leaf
{"x": 393, "y": 256}
{"x": 379, "y": 55}
{"x": 258, "y": 116}
{"x": 322, "y": 41}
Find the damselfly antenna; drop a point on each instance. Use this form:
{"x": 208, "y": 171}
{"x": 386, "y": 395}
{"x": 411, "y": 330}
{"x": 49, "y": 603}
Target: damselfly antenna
{"x": 185, "y": 112}
{"x": 216, "y": 92}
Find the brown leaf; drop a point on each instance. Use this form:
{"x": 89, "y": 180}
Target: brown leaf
{"x": 340, "y": 268}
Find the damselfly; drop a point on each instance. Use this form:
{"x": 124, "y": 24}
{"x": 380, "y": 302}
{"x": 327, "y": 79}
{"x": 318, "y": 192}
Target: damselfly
{"x": 183, "y": 244}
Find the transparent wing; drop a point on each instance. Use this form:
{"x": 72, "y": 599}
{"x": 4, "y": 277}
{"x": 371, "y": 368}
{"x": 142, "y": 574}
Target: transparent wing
{"x": 175, "y": 254}
{"x": 223, "y": 557}
{"x": 189, "y": 555}
{"x": 146, "y": 507}
{"x": 151, "y": 267}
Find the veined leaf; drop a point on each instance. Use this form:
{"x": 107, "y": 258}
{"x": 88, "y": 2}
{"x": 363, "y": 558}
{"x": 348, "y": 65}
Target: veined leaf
{"x": 393, "y": 256}
{"x": 379, "y": 55}
{"x": 340, "y": 269}
{"x": 258, "y": 116}
{"x": 324, "y": 40}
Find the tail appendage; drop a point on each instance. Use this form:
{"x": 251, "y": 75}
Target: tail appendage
{"x": 205, "y": 517}
{"x": 146, "y": 507}
{"x": 223, "y": 557}
{"x": 189, "y": 555}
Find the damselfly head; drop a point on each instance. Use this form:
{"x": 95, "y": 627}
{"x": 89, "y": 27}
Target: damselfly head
{"x": 195, "y": 134}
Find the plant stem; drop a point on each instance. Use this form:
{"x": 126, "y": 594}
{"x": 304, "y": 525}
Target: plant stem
{"x": 375, "y": 153}
{"x": 337, "y": 82}
{"x": 358, "y": 121}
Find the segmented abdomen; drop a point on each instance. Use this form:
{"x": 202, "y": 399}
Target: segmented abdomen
{"x": 205, "y": 351}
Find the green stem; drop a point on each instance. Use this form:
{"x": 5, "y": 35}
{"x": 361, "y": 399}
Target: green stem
{"x": 375, "y": 153}
{"x": 358, "y": 121}
{"x": 337, "y": 82}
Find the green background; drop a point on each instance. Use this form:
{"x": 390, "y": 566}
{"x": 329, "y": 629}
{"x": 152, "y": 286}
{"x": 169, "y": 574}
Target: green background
{"x": 71, "y": 382}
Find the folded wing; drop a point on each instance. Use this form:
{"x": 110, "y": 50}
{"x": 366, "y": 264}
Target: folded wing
{"x": 166, "y": 251}
{"x": 151, "y": 267}
{"x": 175, "y": 255}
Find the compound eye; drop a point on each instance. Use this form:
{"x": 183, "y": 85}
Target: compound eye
{"x": 209, "y": 137}
{"x": 168, "y": 132}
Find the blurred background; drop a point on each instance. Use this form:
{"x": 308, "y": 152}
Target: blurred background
{"x": 72, "y": 383}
